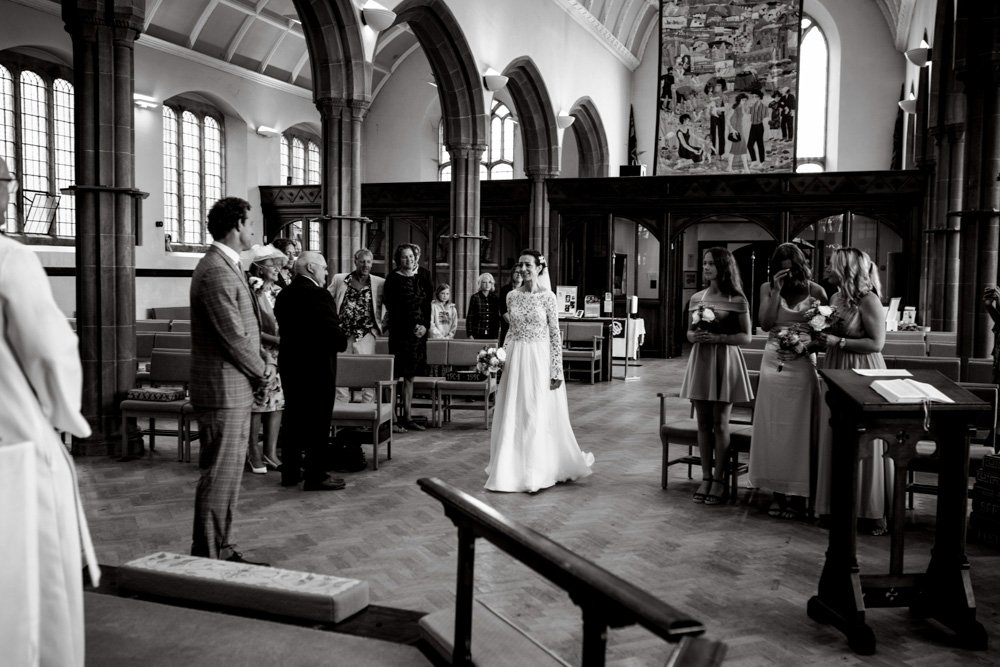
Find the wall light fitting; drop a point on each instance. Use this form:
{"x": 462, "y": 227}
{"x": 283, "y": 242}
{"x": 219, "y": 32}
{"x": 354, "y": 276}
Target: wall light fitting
{"x": 144, "y": 101}
{"x": 920, "y": 56}
{"x": 564, "y": 120}
{"x": 494, "y": 80}
{"x": 265, "y": 131}
{"x": 377, "y": 17}
{"x": 908, "y": 106}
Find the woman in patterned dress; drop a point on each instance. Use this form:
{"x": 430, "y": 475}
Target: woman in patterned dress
{"x": 716, "y": 376}
{"x": 532, "y": 445}
{"x": 268, "y": 399}
{"x": 855, "y": 340}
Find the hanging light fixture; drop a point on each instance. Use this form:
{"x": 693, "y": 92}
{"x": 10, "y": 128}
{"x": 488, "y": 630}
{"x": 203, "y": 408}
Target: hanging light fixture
{"x": 377, "y": 17}
{"x": 564, "y": 120}
{"x": 494, "y": 80}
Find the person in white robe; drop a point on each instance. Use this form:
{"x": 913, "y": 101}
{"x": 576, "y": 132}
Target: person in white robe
{"x": 43, "y": 533}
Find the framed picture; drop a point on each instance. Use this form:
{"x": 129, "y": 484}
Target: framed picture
{"x": 690, "y": 280}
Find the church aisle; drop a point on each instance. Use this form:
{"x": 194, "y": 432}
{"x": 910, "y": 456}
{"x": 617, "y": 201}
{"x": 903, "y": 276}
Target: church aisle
{"x": 751, "y": 593}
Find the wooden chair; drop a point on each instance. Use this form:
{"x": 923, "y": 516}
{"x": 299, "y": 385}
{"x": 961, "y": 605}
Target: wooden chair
{"x": 152, "y": 325}
{"x": 368, "y": 371}
{"x": 950, "y": 367}
{"x": 463, "y": 354}
{"x": 685, "y": 432}
{"x": 982, "y": 443}
{"x": 979, "y": 370}
{"x": 753, "y": 358}
{"x": 584, "y": 343}
{"x": 908, "y": 348}
{"x": 180, "y": 326}
{"x": 169, "y": 370}
{"x": 425, "y": 387}
{"x": 170, "y": 313}
{"x": 173, "y": 341}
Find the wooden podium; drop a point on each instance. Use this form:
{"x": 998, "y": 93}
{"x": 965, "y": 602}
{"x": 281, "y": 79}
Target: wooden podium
{"x": 944, "y": 591}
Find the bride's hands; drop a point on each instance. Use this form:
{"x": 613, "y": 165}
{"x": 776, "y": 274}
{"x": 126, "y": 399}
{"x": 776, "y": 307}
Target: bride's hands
{"x": 555, "y": 383}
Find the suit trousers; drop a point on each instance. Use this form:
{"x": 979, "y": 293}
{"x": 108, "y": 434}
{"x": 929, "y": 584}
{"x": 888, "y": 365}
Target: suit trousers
{"x": 224, "y": 435}
{"x": 355, "y": 345}
{"x": 305, "y": 432}
{"x": 755, "y": 142}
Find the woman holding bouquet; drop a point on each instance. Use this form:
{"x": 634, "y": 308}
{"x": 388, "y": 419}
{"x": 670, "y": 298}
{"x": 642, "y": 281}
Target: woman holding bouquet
{"x": 786, "y": 396}
{"x": 532, "y": 445}
{"x": 855, "y": 340}
{"x": 716, "y": 373}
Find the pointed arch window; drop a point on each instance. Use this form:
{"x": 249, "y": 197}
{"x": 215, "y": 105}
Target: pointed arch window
{"x": 300, "y": 159}
{"x": 193, "y": 169}
{"x": 811, "y": 124}
{"x": 36, "y": 141}
{"x": 497, "y": 161}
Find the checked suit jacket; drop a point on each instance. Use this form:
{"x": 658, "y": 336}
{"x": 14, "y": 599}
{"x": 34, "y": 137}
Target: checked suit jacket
{"x": 226, "y": 357}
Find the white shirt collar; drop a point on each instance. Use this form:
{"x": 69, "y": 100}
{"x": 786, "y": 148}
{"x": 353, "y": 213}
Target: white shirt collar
{"x": 233, "y": 256}
{"x": 310, "y": 278}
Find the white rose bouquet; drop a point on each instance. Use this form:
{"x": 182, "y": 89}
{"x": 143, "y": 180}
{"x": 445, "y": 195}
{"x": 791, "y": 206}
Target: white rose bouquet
{"x": 704, "y": 318}
{"x": 490, "y": 359}
{"x": 807, "y": 337}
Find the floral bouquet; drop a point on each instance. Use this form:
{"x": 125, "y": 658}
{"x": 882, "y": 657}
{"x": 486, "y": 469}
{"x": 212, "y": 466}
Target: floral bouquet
{"x": 801, "y": 339}
{"x": 490, "y": 359}
{"x": 703, "y": 318}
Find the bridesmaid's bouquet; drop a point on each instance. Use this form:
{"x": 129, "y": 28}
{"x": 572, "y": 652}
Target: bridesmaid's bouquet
{"x": 802, "y": 339}
{"x": 490, "y": 359}
{"x": 703, "y": 318}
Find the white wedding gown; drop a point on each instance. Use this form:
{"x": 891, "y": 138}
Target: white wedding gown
{"x": 532, "y": 445}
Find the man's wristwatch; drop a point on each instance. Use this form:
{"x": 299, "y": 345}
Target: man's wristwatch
{"x": 842, "y": 344}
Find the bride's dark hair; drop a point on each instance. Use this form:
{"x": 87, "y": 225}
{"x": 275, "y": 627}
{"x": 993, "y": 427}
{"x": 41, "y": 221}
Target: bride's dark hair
{"x": 539, "y": 258}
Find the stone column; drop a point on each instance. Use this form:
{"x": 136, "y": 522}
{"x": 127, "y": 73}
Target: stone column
{"x": 103, "y": 35}
{"x": 465, "y": 229}
{"x": 341, "y": 159}
{"x": 538, "y": 219}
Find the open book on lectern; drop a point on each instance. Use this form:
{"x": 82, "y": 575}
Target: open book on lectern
{"x": 909, "y": 391}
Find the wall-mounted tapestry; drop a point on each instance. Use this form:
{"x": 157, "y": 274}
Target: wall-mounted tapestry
{"x": 728, "y": 85}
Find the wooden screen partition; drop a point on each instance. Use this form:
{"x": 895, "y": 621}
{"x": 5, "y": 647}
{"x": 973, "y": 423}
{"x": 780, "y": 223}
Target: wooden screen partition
{"x": 607, "y": 601}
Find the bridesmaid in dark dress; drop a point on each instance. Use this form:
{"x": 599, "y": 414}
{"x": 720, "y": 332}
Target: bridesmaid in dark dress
{"x": 409, "y": 319}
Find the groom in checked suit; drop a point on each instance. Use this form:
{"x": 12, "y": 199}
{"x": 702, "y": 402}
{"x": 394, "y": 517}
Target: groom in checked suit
{"x": 307, "y": 358}
{"x": 226, "y": 365}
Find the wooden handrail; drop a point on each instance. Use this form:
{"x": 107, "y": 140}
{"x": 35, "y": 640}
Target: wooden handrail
{"x": 606, "y": 599}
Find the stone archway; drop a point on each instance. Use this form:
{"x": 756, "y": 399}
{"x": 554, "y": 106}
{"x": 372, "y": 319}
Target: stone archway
{"x": 541, "y": 141}
{"x": 342, "y": 93}
{"x": 590, "y": 138}
{"x": 460, "y": 89}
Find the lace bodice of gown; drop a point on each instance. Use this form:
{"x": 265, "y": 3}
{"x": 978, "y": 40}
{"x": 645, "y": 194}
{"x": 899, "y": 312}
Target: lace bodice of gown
{"x": 532, "y": 319}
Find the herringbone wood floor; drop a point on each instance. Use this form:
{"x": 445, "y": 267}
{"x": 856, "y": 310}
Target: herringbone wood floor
{"x": 744, "y": 574}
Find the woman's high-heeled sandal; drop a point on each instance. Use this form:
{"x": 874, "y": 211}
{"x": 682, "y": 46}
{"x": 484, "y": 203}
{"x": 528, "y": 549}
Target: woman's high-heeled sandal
{"x": 715, "y": 499}
{"x": 698, "y": 496}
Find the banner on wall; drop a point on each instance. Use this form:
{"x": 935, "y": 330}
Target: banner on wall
{"x": 728, "y": 86}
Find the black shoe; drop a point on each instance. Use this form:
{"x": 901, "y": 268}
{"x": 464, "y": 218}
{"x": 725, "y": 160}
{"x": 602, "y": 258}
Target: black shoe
{"x": 290, "y": 481}
{"x": 356, "y": 465}
{"x": 237, "y": 557}
{"x": 414, "y": 426}
{"x": 329, "y": 484}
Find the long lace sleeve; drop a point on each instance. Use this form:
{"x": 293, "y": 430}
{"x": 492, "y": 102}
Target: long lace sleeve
{"x": 555, "y": 340}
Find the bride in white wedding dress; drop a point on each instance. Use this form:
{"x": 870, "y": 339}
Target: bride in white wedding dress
{"x": 532, "y": 445}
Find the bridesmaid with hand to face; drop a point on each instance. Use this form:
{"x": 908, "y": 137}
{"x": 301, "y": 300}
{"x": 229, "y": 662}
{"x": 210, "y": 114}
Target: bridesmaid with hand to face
{"x": 716, "y": 377}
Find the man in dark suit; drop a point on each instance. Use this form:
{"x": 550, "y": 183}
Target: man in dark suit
{"x": 307, "y": 358}
{"x": 226, "y": 364}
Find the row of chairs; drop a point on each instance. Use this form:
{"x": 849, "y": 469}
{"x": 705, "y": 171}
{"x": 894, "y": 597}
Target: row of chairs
{"x": 153, "y": 326}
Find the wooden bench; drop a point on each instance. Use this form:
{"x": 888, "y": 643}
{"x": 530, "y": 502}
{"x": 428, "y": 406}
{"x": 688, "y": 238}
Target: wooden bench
{"x": 606, "y": 600}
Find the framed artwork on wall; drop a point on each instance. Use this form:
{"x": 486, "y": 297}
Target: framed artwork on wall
{"x": 690, "y": 280}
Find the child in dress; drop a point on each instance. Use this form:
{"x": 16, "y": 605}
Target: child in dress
{"x": 444, "y": 316}
{"x": 716, "y": 376}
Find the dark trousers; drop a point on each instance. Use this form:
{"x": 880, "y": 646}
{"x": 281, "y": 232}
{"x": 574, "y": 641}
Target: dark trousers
{"x": 756, "y": 140}
{"x": 717, "y": 132}
{"x": 223, "y": 435}
{"x": 305, "y": 432}
{"x": 788, "y": 127}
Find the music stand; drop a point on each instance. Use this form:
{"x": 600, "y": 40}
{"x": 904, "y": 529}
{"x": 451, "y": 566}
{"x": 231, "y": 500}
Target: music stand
{"x": 38, "y": 219}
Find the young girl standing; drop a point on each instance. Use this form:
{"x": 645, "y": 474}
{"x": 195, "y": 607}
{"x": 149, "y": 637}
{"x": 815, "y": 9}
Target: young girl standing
{"x": 716, "y": 377}
{"x": 444, "y": 316}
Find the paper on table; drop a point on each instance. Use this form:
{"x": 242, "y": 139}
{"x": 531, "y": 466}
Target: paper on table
{"x": 884, "y": 372}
